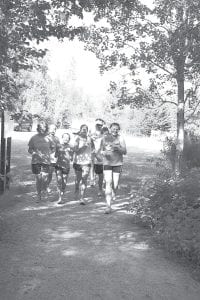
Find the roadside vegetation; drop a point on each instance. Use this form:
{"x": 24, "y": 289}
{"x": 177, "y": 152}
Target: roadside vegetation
{"x": 155, "y": 51}
{"x": 170, "y": 204}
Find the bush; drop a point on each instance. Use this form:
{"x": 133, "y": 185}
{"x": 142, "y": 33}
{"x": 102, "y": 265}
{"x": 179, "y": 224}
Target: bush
{"x": 191, "y": 152}
{"x": 171, "y": 208}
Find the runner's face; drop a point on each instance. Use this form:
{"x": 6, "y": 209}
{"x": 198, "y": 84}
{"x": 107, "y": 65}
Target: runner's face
{"x": 99, "y": 126}
{"x": 42, "y": 128}
{"x": 84, "y": 130}
{"x": 52, "y": 130}
{"x": 66, "y": 139}
{"x": 114, "y": 130}
{"x": 106, "y": 133}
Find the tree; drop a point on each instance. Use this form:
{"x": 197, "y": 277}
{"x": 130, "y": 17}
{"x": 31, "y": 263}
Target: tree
{"x": 21, "y": 23}
{"x": 165, "y": 41}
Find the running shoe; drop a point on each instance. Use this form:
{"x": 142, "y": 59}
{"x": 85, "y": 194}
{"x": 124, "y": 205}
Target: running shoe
{"x": 100, "y": 194}
{"x": 48, "y": 190}
{"x": 39, "y": 198}
{"x": 108, "y": 210}
{"x": 61, "y": 201}
{"x": 82, "y": 202}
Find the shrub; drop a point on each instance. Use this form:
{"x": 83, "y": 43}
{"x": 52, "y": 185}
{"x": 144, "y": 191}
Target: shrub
{"x": 191, "y": 152}
{"x": 171, "y": 208}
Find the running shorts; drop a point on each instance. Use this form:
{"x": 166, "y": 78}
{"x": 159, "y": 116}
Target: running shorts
{"x": 114, "y": 169}
{"x": 38, "y": 168}
{"x": 98, "y": 169}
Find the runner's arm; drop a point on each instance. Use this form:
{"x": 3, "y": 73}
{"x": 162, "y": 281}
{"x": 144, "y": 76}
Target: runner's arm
{"x": 30, "y": 146}
{"x": 121, "y": 147}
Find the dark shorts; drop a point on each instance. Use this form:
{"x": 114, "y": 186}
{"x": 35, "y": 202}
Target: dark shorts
{"x": 114, "y": 169}
{"x": 98, "y": 169}
{"x": 80, "y": 168}
{"x": 38, "y": 168}
{"x": 52, "y": 164}
{"x": 52, "y": 167}
{"x": 64, "y": 171}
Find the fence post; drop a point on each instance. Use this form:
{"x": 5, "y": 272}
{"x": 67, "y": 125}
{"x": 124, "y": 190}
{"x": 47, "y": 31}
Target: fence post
{"x": 8, "y": 158}
{"x": 2, "y": 152}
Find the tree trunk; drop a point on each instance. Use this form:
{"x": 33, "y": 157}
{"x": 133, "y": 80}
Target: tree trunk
{"x": 180, "y": 120}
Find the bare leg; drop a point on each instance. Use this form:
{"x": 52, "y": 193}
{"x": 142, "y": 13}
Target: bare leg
{"x": 65, "y": 178}
{"x": 62, "y": 191}
{"x": 44, "y": 181}
{"x": 50, "y": 176}
{"x": 38, "y": 178}
{"x": 59, "y": 177}
{"x": 115, "y": 180}
{"x": 100, "y": 183}
{"x": 77, "y": 182}
{"x": 108, "y": 189}
{"x": 85, "y": 173}
{"x": 92, "y": 175}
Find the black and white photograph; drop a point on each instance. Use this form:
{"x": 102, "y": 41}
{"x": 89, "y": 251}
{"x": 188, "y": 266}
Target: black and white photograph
{"x": 99, "y": 149}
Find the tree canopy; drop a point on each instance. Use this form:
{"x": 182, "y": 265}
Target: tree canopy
{"x": 164, "y": 41}
{"x": 26, "y": 23}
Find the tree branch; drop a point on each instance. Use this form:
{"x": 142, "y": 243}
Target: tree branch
{"x": 193, "y": 111}
{"x": 154, "y": 63}
{"x": 188, "y": 93}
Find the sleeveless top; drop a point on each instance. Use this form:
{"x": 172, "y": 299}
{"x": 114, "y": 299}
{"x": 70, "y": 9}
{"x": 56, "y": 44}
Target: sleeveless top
{"x": 83, "y": 150}
{"x": 112, "y": 157}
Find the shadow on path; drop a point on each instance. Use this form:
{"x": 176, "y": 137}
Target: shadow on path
{"x": 77, "y": 252}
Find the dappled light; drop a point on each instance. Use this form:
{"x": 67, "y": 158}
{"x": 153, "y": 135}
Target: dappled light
{"x": 67, "y": 235}
{"x": 47, "y": 242}
{"x": 70, "y": 252}
{"x": 91, "y": 208}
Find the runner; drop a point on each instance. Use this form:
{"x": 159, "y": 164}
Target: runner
{"x": 98, "y": 159}
{"x": 83, "y": 151}
{"x": 96, "y": 164}
{"x": 63, "y": 154}
{"x": 55, "y": 141}
{"x": 113, "y": 148}
{"x": 40, "y": 147}
{"x": 105, "y": 131}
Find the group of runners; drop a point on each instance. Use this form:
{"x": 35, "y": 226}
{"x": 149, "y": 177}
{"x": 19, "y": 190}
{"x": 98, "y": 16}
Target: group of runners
{"x": 97, "y": 153}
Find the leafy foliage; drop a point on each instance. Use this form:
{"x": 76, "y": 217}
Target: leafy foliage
{"x": 171, "y": 207}
{"x": 21, "y": 23}
{"x": 26, "y": 23}
{"x": 164, "y": 41}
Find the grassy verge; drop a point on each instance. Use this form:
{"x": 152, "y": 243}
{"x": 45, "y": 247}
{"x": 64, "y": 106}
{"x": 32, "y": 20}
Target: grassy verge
{"x": 171, "y": 208}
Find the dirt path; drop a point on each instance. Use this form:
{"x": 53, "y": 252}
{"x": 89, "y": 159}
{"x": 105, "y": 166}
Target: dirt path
{"x": 76, "y": 252}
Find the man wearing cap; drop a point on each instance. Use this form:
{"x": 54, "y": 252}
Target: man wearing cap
{"x": 97, "y": 167}
{"x": 55, "y": 141}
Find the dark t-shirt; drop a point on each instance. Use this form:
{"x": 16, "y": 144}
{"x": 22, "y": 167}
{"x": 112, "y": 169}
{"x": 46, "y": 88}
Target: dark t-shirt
{"x": 40, "y": 147}
{"x": 55, "y": 141}
{"x": 111, "y": 156}
{"x": 63, "y": 155}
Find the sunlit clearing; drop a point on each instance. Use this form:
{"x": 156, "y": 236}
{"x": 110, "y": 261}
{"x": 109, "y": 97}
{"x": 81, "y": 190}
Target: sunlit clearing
{"x": 69, "y": 252}
{"x": 66, "y": 235}
{"x": 30, "y": 182}
{"x": 35, "y": 208}
{"x": 144, "y": 143}
{"x": 107, "y": 258}
{"x": 141, "y": 246}
{"x": 70, "y": 183}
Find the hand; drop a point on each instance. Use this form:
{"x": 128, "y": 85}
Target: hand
{"x": 116, "y": 147}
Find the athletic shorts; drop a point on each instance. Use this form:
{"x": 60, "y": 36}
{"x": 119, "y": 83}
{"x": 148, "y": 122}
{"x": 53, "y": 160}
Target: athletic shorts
{"x": 98, "y": 169}
{"x": 52, "y": 167}
{"x": 114, "y": 169}
{"x": 52, "y": 164}
{"x": 64, "y": 171}
{"x": 81, "y": 168}
{"x": 38, "y": 168}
